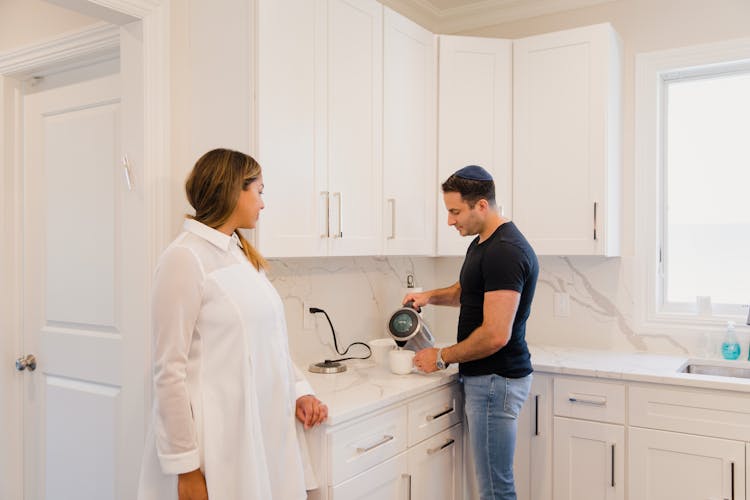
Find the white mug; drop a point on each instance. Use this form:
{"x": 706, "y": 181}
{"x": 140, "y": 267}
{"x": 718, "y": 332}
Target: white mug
{"x": 380, "y": 349}
{"x": 401, "y": 361}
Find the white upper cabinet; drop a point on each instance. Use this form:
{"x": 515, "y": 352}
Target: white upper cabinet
{"x": 474, "y": 122}
{"x": 354, "y": 128}
{"x": 409, "y": 133}
{"x": 319, "y": 101}
{"x": 566, "y": 112}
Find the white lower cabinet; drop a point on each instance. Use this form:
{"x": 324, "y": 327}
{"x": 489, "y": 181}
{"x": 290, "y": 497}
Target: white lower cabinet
{"x": 589, "y": 460}
{"x": 532, "y": 464}
{"x": 412, "y": 450}
{"x": 673, "y": 466}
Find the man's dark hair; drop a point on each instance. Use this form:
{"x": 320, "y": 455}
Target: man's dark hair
{"x": 471, "y": 190}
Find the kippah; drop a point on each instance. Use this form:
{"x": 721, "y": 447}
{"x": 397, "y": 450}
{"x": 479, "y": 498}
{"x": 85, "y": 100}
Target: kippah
{"x": 473, "y": 172}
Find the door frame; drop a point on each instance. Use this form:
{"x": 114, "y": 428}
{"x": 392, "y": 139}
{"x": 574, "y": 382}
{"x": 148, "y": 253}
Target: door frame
{"x": 17, "y": 68}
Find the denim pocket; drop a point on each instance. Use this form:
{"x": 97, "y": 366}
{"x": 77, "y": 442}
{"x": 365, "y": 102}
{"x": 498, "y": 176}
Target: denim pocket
{"x": 516, "y": 392}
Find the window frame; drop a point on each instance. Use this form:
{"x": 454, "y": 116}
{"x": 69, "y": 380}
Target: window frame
{"x": 653, "y": 71}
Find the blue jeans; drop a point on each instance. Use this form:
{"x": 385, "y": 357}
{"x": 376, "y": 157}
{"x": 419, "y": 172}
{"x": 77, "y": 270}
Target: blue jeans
{"x": 492, "y": 404}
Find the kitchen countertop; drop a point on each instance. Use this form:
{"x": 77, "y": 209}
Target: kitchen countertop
{"x": 367, "y": 387}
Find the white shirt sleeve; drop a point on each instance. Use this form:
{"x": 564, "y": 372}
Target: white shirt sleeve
{"x": 301, "y": 386}
{"x": 176, "y": 303}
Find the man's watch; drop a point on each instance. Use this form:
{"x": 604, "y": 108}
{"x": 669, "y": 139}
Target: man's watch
{"x": 441, "y": 365}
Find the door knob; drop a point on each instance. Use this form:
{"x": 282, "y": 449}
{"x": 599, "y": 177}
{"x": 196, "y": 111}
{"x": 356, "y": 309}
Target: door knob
{"x": 26, "y": 362}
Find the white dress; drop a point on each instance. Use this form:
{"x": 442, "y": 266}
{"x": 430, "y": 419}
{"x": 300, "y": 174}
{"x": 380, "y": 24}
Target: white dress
{"x": 224, "y": 383}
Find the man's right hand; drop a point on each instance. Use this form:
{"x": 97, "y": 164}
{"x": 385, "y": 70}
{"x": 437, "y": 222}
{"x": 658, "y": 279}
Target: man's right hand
{"x": 192, "y": 486}
{"x": 420, "y": 299}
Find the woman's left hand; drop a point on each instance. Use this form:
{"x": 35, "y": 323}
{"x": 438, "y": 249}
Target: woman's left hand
{"x": 311, "y": 411}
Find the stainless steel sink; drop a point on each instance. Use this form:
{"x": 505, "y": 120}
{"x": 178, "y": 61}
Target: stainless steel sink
{"x": 736, "y": 369}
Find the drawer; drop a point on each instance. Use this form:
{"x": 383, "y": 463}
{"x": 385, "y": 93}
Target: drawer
{"x": 365, "y": 443}
{"x": 434, "y": 412}
{"x": 589, "y": 399}
{"x": 713, "y": 413}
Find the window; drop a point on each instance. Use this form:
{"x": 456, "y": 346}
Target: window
{"x": 693, "y": 183}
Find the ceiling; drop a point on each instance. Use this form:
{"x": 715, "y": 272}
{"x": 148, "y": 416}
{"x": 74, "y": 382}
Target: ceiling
{"x": 453, "y": 16}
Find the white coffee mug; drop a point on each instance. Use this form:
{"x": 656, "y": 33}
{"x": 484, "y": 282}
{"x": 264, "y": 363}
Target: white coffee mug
{"x": 401, "y": 361}
{"x": 380, "y": 349}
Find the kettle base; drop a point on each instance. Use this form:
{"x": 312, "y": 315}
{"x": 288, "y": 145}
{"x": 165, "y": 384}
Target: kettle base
{"x": 327, "y": 367}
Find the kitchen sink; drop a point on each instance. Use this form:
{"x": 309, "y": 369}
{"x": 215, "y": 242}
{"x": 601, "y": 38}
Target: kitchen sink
{"x": 736, "y": 369}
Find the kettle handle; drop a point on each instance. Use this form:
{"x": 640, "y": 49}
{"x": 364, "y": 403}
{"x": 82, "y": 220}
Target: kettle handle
{"x": 411, "y": 305}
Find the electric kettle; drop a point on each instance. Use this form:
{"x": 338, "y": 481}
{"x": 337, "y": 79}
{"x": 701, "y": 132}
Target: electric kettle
{"x": 409, "y": 330}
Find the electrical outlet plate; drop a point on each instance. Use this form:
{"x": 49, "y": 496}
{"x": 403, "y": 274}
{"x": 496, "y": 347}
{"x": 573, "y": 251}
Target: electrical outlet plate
{"x": 308, "y": 320}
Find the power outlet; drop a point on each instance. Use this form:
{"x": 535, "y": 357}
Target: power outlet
{"x": 308, "y": 320}
{"x": 562, "y": 305}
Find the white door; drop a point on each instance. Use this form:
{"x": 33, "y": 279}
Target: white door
{"x": 83, "y": 280}
{"x": 474, "y": 122}
{"x": 588, "y": 458}
{"x": 436, "y": 466}
{"x": 354, "y": 63}
{"x": 675, "y": 466}
{"x": 409, "y": 133}
{"x": 532, "y": 463}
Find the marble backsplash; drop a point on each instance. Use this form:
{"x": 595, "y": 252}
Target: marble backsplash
{"x": 360, "y": 293}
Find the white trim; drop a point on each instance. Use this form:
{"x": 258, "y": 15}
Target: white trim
{"x": 100, "y": 38}
{"x": 649, "y": 103}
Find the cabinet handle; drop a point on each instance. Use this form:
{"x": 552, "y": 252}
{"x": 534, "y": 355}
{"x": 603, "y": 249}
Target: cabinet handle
{"x": 595, "y": 204}
{"x": 126, "y": 172}
{"x": 392, "y": 203}
{"x": 438, "y": 415}
{"x": 327, "y": 233}
{"x": 373, "y": 446}
{"x": 408, "y": 485}
{"x": 436, "y": 449}
{"x": 340, "y": 228}
{"x": 612, "y": 483}
{"x": 591, "y": 400}
{"x": 732, "y": 476}
{"x": 536, "y": 414}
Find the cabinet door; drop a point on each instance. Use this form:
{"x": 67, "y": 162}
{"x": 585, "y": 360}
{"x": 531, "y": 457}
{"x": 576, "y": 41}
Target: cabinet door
{"x": 436, "y": 466}
{"x": 386, "y": 480}
{"x": 532, "y": 464}
{"x": 409, "y": 108}
{"x": 566, "y": 141}
{"x": 294, "y": 223}
{"x": 674, "y": 466}
{"x": 354, "y": 65}
{"x": 474, "y": 106}
{"x": 589, "y": 460}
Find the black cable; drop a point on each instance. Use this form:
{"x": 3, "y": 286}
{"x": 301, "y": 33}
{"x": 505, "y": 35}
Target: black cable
{"x": 314, "y": 310}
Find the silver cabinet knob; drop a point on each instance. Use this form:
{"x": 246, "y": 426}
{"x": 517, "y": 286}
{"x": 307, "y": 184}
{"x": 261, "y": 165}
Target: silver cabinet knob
{"x": 26, "y": 362}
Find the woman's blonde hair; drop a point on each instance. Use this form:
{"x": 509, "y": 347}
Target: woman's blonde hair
{"x": 213, "y": 189}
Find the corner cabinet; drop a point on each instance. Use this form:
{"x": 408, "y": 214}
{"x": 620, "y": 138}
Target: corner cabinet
{"x": 474, "y": 122}
{"x": 566, "y": 154}
{"x": 319, "y": 126}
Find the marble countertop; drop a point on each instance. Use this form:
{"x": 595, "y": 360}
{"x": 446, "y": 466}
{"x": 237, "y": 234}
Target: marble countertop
{"x": 367, "y": 387}
{"x": 632, "y": 366}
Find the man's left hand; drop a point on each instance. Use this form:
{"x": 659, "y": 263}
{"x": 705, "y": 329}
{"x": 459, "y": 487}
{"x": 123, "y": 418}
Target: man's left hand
{"x": 426, "y": 360}
{"x": 311, "y": 411}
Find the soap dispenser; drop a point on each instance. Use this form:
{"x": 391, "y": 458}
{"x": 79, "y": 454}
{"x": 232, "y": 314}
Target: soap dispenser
{"x": 730, "y": 348}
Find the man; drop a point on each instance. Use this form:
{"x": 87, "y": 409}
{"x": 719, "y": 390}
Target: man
{"x": 495, "y": 290}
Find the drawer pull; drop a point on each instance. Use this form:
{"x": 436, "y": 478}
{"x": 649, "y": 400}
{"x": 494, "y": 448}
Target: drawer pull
{"x": 379, "y": 443}
{"x": 438, "y": 415}
{"x": 587, "y": 400}
{"x": 436, "y": 449}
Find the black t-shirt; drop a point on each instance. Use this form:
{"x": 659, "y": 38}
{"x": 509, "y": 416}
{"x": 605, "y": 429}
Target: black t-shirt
{"x": 504, "y": 261}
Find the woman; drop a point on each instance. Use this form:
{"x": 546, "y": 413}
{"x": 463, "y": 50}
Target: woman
{"x": 225, "y": 389}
